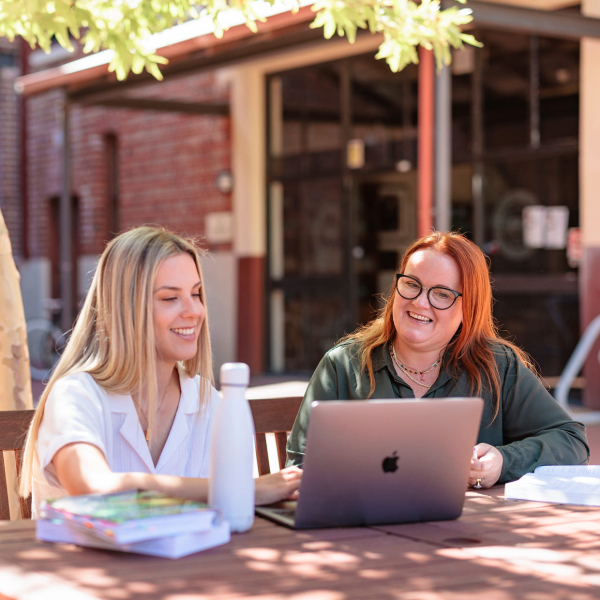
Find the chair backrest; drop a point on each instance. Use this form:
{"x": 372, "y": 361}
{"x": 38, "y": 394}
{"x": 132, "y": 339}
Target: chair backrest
{"x": 14, "y": 425}
{"x": 273, "y": 415}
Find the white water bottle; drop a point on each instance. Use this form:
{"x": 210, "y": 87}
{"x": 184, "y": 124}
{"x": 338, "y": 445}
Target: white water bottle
{"x": 231, "y": 486}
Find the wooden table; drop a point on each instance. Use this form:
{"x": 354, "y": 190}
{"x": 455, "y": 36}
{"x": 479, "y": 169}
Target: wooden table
{"x": 497, "y": 550}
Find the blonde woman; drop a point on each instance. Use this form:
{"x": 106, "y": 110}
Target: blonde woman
{"x": 131, "y": 402}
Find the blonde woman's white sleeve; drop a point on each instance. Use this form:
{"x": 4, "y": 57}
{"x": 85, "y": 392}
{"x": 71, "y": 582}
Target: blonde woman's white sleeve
{"x": 75, "y": 411}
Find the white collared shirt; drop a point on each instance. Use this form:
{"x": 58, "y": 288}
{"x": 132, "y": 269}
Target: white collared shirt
{"x": 80, "y": 410}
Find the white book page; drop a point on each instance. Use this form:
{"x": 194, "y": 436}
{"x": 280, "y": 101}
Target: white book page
{"x": 569, "y": 485}
{"x": 569, "y": 471}
{"x": 576, "y": 484}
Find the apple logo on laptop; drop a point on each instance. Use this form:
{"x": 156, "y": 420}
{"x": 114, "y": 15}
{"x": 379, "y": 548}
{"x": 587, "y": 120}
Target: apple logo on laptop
{"x": 390, "y": 463}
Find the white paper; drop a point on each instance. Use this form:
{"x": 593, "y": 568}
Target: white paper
{"x": 557, "y": 224}
{"x": 571, "y": 484}
{"x": 534, "y": 226}
{"x": 545, "y": 226}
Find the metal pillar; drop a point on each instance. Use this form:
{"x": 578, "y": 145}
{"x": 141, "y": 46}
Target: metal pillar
{"x": 25, "y": 52}
{"x": 349, "y": 226}
{"x": 426, "y": 153}
{"x": 443, "y": 150}
{"x": 534, "y": 92}
{"x": 65, "y": 227}
{"x": 477, "y": 149}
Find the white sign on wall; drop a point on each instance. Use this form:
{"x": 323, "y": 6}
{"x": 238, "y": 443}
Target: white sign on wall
{"x": 545, "y": 226}
{"x": 218, "y": 227}
{"x": 557, "y": 227}
{"x": 534, "y": 226}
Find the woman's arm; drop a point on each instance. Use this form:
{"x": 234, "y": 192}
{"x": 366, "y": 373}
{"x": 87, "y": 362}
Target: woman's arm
{"x": 536, "y": 430}
{"x": 82, "y": 469}
{"x": 322, "y": 386}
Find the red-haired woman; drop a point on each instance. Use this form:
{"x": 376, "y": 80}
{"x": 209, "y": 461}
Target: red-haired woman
{"x": 436, "y": 338}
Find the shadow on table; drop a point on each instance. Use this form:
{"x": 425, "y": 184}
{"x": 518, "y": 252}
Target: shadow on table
{"x": 496, "y": 551}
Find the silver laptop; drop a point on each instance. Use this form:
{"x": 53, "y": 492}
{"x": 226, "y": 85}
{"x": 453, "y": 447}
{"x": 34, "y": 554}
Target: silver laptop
{"x": 383, "y": 461}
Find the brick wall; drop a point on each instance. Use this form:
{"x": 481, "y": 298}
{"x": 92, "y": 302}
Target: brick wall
{"x": 43, "y": 156}
{"x": 10, "y": 147}
{"x": 168, "y": 163}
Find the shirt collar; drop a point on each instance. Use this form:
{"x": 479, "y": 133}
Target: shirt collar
{"x": 190, "y": 396}
{"x": 381, "y": 357}
{"x": 132, "y": 432}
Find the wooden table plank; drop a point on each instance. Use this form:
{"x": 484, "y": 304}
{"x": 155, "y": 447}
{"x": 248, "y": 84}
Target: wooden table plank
{"x": 497, "y": 550}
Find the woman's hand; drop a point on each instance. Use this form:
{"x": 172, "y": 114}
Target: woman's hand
{"x": 487, "y": 467}
{"x": 278, "y": 486}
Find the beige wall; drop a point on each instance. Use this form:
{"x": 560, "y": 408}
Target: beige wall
{"x": 589, "y": 198}
{"x": 589, "y": 143}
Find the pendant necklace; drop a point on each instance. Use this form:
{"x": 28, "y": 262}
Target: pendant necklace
{"x": 408, "y": 370}
{"x": 148, "y": 430}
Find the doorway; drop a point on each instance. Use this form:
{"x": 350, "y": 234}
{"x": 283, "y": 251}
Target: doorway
{"x": 341, "y": 200}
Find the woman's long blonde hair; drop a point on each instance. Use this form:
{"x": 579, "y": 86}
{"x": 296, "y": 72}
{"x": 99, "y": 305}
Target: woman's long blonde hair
{"x": 113, "y": 337}
{"x": 470, "y": 349}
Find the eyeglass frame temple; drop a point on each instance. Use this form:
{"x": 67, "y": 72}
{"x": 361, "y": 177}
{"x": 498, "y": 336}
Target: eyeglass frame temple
{"x": 456, "y": 294}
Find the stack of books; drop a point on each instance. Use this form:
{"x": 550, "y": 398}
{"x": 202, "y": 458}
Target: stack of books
{"x": 133, "y": 521}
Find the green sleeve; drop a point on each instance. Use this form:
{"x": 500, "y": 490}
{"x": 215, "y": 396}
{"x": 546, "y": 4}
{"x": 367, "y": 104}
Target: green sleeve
{"x": 536, "y": 430}
{"x": 322, "y": 386}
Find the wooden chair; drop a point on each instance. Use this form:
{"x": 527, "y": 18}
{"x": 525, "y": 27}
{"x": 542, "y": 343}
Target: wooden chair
{"x": 273, "y": 415}
{"x": 13, "y": 431}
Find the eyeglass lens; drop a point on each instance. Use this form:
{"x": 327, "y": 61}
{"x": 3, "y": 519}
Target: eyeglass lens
{"x": 438, "y": 297}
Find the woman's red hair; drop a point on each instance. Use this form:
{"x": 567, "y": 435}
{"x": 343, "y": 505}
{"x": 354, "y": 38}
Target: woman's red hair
{"x": 470, "y": 350}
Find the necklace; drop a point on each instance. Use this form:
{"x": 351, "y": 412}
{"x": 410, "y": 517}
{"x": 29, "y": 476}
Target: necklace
{"x": 407, "y": 370}
{"x": 148, "y": 431}
{"x": 410, "y": 369}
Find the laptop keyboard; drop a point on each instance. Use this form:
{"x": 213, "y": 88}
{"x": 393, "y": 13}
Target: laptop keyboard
{"x": 284, "y": 512}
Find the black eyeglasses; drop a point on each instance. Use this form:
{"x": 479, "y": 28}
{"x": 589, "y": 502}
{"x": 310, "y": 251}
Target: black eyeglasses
{"x": 439, "y": 297}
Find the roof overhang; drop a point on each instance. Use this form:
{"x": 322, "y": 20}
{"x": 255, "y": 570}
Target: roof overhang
{"x": 175, "y": 44}
{"x": 193, "y": 46}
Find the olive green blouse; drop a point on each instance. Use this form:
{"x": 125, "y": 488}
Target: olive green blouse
{"x": 530, "y": 430}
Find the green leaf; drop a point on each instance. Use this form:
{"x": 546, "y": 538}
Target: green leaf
{"x": 153, "y": 69}
{"x": 138, "y": 64}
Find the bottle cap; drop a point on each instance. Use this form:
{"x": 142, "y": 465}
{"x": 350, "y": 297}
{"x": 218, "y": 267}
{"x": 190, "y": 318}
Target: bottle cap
{"x": 235, "y": 374}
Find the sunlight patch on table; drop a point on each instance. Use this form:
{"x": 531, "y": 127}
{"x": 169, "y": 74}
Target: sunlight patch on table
{"x": 91, "y": 577}
{"x": 262, "y": 567}
{"x": 320, "y": 545}
{"x": 22, "y": 583}
{"x": 140, "y": 587}
{"x": 374, "y": 574}
{"x": 589, "y": 562}
{"x": 327, "y": 557}
{"x": 269, "y": 554}
{"x": 417, "y": 557}
{"x": 512, "y": 553}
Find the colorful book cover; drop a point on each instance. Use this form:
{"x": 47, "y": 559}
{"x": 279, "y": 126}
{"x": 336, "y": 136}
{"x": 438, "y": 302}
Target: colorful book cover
{"x": 175, "y": 546}
{"x": 132, "y": 516}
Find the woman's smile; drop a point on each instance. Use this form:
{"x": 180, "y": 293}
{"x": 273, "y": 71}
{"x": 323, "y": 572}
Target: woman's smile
{"x": 186, "y": 333}
{"x": 419, "y": 318}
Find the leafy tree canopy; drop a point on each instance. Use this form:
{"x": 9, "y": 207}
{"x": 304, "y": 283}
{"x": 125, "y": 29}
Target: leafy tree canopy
{"x": 125, "y": 26}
